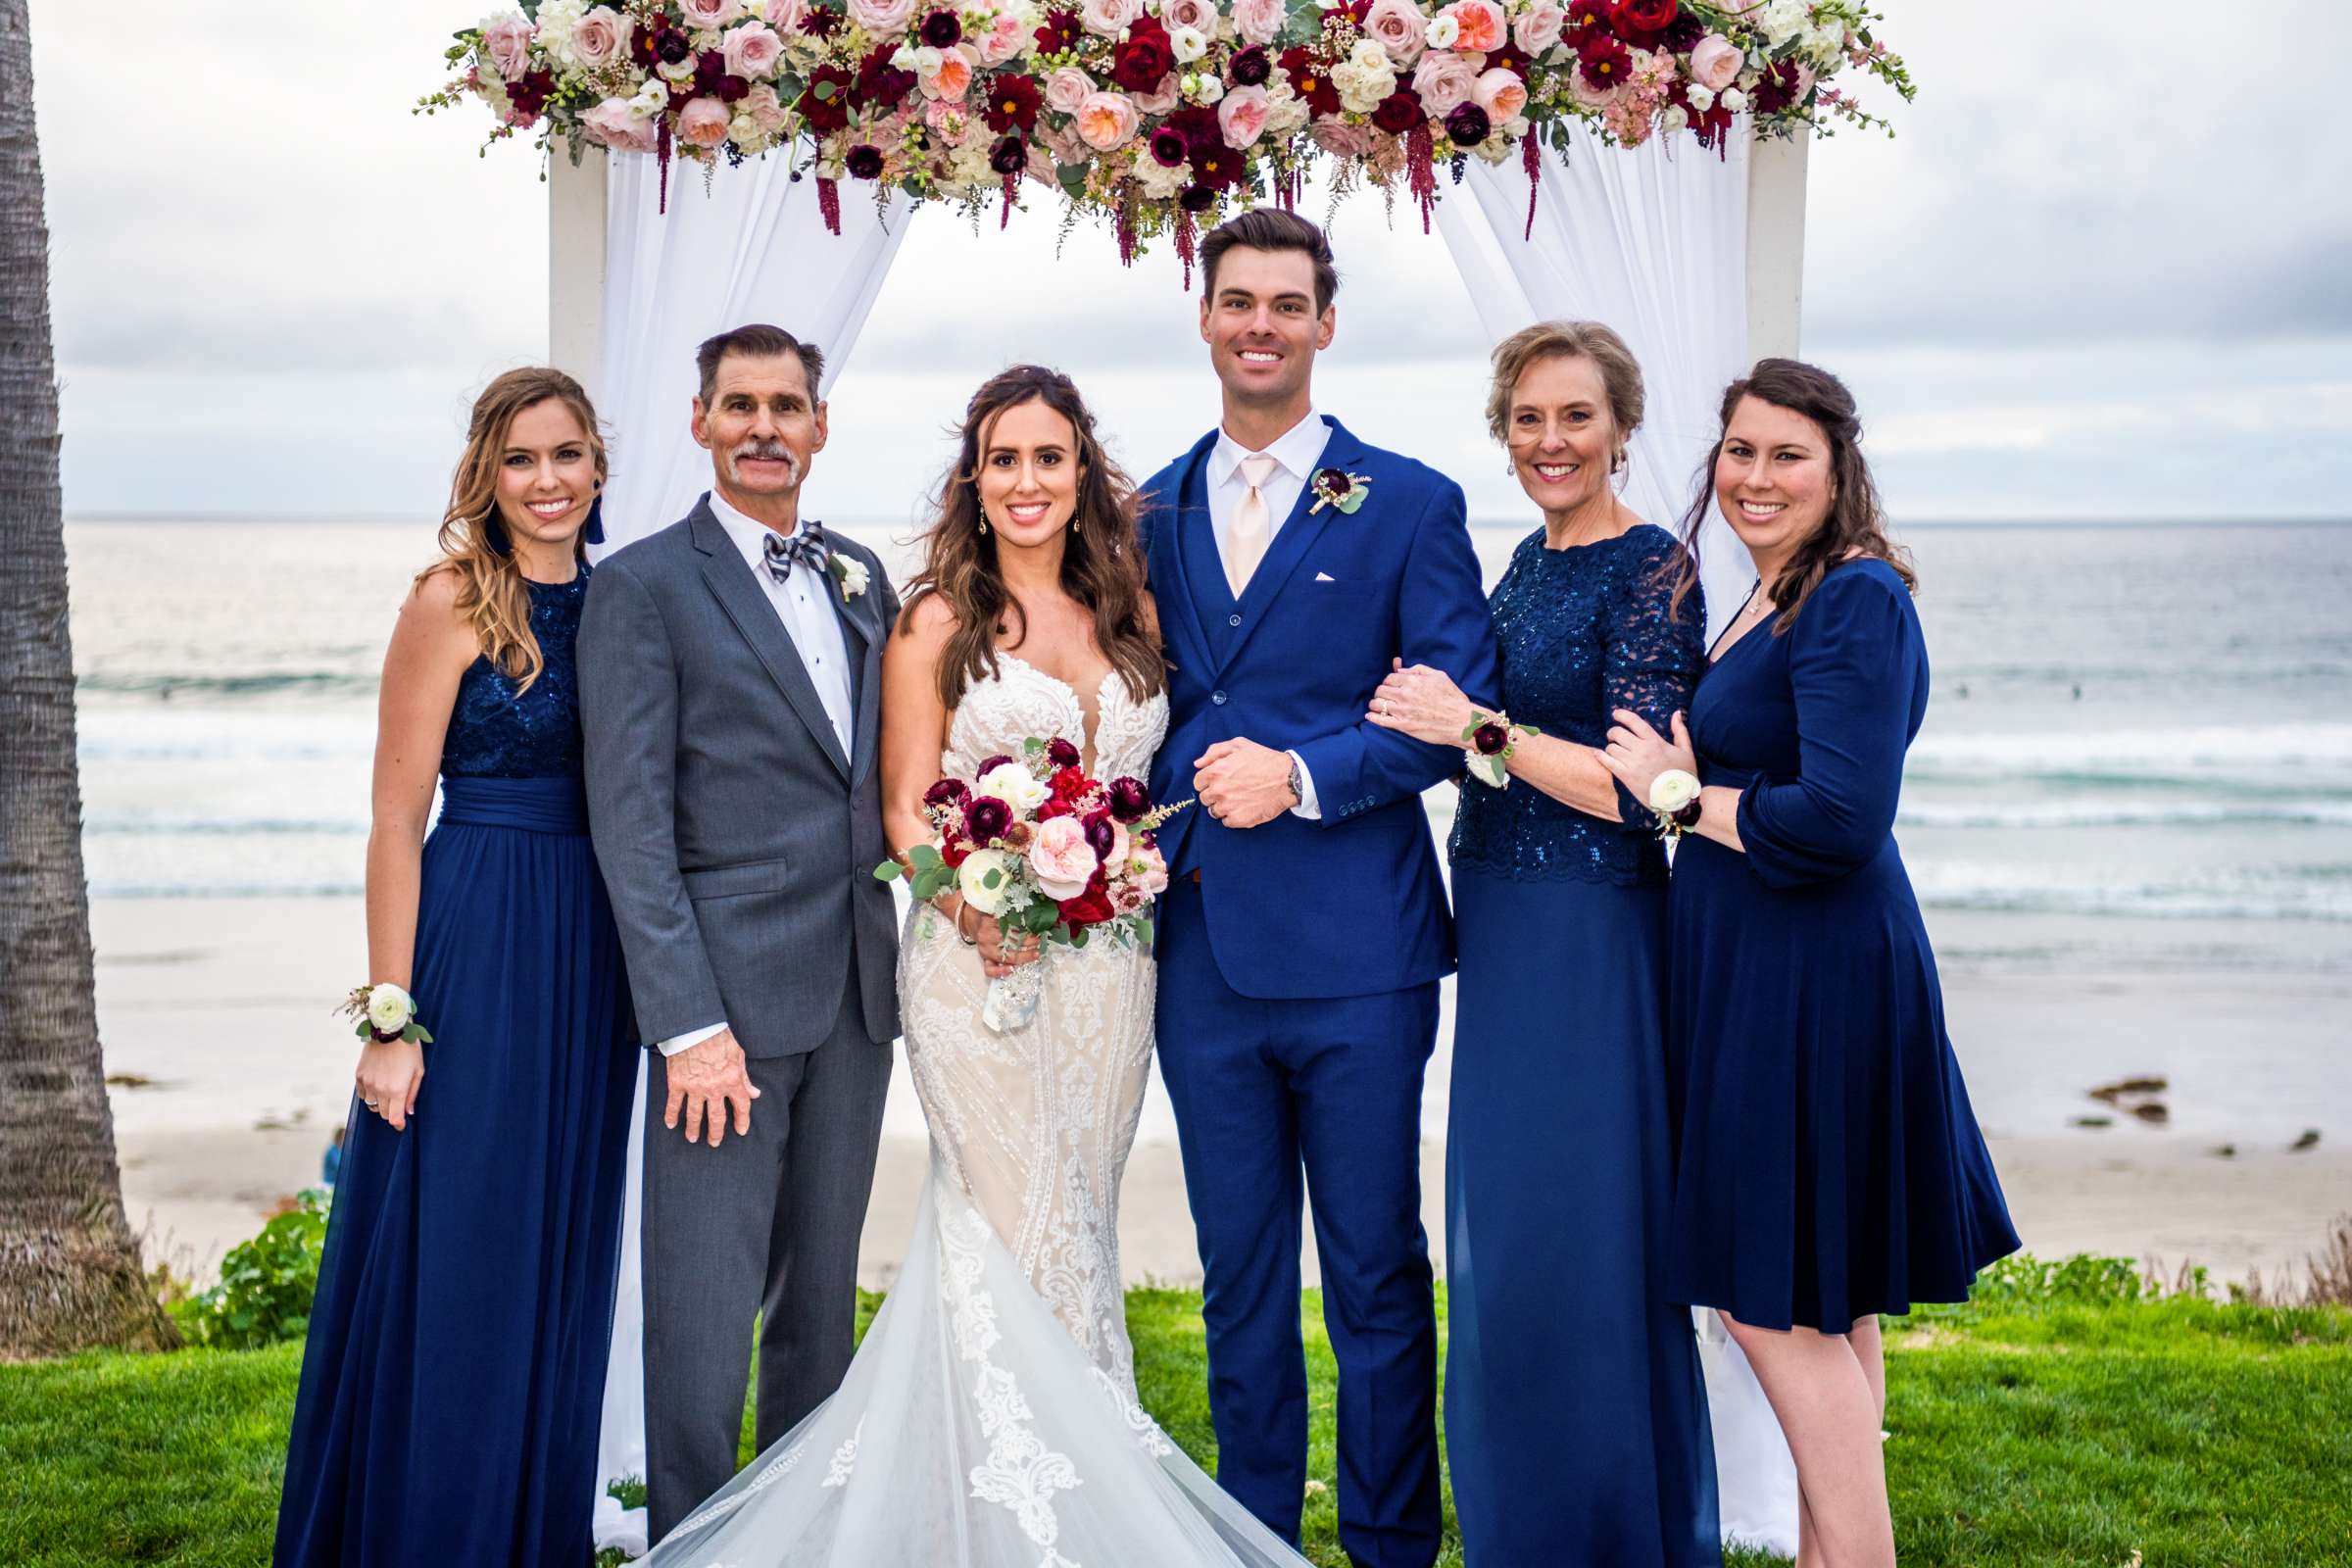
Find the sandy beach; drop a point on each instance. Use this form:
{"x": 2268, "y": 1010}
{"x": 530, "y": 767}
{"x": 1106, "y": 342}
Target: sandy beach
{"x": 231, "y": 1075}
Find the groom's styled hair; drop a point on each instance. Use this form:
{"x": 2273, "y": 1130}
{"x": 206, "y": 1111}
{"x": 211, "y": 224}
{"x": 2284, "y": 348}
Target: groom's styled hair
{"x": 757, "y": 341}
{"x": 1270, "y": 228}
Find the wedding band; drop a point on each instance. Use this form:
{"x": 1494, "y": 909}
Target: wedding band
{"x": 370, "y": 1104}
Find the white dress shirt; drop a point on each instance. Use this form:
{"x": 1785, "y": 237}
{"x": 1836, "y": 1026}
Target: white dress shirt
{"x": 1296, "y": 452}
{"x": 805, "y": 607}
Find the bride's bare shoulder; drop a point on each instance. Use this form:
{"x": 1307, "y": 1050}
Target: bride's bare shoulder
{"x": 926, "y": 622}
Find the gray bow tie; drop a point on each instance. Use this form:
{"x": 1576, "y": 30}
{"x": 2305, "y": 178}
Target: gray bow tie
{"x": 806, "y": 546}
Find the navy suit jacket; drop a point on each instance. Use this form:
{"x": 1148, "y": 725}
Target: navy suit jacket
{"x": 1352, "y": 904}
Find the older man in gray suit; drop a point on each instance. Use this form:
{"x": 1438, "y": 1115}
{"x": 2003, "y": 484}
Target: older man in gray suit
{"x": 730, "y": 677}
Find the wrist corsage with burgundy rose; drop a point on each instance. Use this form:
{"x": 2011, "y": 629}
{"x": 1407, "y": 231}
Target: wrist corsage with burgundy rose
{"x": 385, "y": 1013}
{"x": 1489, "y": 744}
{"x": 1674, "y": 798}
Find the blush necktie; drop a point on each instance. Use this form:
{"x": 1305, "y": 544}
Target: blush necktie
{"x": 1253, "y": 525}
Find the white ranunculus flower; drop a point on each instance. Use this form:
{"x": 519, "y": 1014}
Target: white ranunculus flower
{"x": 972, "y": 880}
{"x": 649, "y": 100}
{"x": 1672, "y": 790}
{"x": 1735, "y": 100}
{"x": 1702, "y": 99}
{"x": 1013, "y": 784}
{"x": 1676, "y": 118}
{"x": 1188, "y": 43}
{"x": 390, "y": 1009}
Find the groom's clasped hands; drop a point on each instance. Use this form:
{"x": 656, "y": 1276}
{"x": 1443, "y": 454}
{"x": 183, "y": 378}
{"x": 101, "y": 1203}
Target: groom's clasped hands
{"x": 1243, "y": 784}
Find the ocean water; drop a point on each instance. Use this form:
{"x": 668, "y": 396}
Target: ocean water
{"x": 2139, "y": 744}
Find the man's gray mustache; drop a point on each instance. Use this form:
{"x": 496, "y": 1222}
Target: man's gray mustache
{"x": 770, "y": 450}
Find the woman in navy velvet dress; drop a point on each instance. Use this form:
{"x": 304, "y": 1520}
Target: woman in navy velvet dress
{"x": 1831, "y": 1166}
{"x": 454, "y": 1373}
{"x": 1576, "y": 1419}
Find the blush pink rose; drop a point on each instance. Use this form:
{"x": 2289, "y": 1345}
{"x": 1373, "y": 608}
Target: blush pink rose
{"x": 1501, "y": 94}
{"x": 613, "y": 123}
{"x": 1068, "y": 88}
{"x": 1400, "y": 27}
{"x": 884, "y": 19}
{"x": 1258, "y": 22}
{"x": 1242, "y": 116}
{"x": 785, "y": 16}
{"x": 1341, "y": 139}
{"x": 765, "y": 108}
{"x": 1539, "y": 27}
{"x": 1065, "y": 143}
{"x": 1152, "y": 874}
{"x": 1480, "y": 25}
{"x": 599, "y": 39}
{"x": 1003, "y": 40}
{"x": 1199, "y": 15}
{"x": 1061, "y": 859}
{"x": 710, "y": 13}
{"x": 1443, "y": 80}
{"x": 754, "y": 50}
{"x": 1111, "y": 19}
{"x": 1164, "y": 97}
{"x": 1715, "y": 63}
{"x": 703, "y": 121}
{"x": 1107, "y": 121}
{"x": 507, "y": 39}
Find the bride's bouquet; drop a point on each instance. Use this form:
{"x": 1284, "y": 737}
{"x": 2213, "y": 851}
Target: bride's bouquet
{"x": 1046, "y": 849}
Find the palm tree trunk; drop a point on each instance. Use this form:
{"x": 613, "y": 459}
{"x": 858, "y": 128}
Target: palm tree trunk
{"x": 70, "y": 1274}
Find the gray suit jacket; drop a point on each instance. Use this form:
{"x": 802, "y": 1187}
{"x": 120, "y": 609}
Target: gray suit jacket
{"x": 737, "y": 842}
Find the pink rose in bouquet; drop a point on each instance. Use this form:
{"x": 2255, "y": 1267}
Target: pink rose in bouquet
{"x": 507, "y": 40}
{"x": 1715, "y": 62}
{"x": 1107, "y": 121}
{"x": 765, "y": 108}
{"x": 1501, "y": 94}
{"x": 1199, "y": 15}
{"x": 884, "y": 19}
{"x": 753, "y": 50}
{"x": 703, "y": 121}
{"x": 617, "y": 125}
{"x": 1341, "y": 139}
{"x": 1111, "y": 19}
{"x": 1001, "y": 41}
{"x": 785, "y": 16}
{"x": 600, "y": 39}
{"x": 1067, "y": 89}
{"x": 954, "y": 78}
{"x": 1400, "y": 27}
{"x": 1061, "y": 859}
{"x": 709, "y": 13}
{"x": 1242, "y": 116}
{"x": 1259, "y": 22}
{"x": 1445, "y": 80}
{"x": 1539, "y": 27}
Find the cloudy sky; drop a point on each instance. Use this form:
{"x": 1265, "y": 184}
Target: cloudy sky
{"x": 2104, "y": 270}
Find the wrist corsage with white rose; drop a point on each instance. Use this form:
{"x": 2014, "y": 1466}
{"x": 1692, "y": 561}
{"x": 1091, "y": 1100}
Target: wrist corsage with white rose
{"x": 385, "y": 1013}
{"x": 1674, "y": 798}
{"x": 1489, "y": 743}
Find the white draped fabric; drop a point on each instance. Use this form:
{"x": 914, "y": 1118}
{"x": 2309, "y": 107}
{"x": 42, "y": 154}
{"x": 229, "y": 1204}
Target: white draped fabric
{"x": 1652, "y": 242}
{"x": 749, "y": 246}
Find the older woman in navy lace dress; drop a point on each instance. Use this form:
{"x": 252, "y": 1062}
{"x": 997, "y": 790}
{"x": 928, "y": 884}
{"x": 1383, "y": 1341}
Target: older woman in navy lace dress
{"x": 1576, "y": 1420}
{"x": 455, "y": 1365}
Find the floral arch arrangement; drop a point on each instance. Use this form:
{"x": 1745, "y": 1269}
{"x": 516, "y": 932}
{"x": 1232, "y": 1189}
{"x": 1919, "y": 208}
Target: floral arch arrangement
{"x": 1160, "y": 115}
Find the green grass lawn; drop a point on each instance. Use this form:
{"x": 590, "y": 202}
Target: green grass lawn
{"x": 2047, "y": 1425}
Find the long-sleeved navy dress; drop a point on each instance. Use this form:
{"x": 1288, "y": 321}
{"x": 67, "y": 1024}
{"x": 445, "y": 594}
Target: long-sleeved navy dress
{"x": 454, "y": 1373}
{"x": 1576, "y": 1419}
{"x": 1831, "y": 1166}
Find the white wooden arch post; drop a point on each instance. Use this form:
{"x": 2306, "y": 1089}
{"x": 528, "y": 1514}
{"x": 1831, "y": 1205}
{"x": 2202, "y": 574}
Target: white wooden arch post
{"x": 1776, "y": 246}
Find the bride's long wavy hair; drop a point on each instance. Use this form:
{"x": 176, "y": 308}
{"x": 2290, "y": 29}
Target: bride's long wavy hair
{"x": 491, "y": 594}
{"x": 1102, "y": 560}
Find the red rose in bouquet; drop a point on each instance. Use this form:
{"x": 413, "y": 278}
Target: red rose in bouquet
{"x": 1145, "y": 58}
{"x": 1090, "y": 908}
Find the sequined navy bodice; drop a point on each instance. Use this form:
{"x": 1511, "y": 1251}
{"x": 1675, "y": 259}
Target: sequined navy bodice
{"x": 1584, "y": 632}
{"x": 494, "y": 733}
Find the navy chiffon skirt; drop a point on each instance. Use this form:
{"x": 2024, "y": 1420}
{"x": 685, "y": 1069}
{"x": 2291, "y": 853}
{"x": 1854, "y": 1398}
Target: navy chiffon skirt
{"x": 453, "y": 1380}
{"x": 1576, "y": 1416}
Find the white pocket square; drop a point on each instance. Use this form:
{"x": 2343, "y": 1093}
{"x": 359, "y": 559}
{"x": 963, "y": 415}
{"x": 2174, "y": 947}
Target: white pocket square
{"x": 1324, "y": 576}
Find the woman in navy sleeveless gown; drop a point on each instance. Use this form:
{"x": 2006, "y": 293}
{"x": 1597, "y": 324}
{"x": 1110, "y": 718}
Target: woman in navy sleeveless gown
{"x": 454, "y": 1373}
{"x": 1831, "y": 1166}
{"x": 1576, "y": 1417}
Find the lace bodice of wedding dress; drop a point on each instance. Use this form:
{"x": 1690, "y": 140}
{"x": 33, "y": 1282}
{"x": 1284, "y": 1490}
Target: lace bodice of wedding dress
{"x": 990, "y": 1419}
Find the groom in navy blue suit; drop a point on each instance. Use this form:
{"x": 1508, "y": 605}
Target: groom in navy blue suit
{"x": 1301, "y": 940}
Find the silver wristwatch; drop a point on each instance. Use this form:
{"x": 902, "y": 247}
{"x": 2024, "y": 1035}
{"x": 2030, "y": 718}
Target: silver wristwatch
{"x": 1298, "y": 783}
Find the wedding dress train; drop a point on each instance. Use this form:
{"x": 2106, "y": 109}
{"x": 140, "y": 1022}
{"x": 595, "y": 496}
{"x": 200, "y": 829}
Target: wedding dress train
{"x": 989, "y": 1417}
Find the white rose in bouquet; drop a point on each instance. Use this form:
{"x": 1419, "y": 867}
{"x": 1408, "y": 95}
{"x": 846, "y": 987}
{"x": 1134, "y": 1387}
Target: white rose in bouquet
{"x": 1014, "y": 785}
{"x": 973, "y": 880}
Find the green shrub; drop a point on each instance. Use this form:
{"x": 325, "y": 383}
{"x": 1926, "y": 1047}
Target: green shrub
{"x": 266, "y": 1287}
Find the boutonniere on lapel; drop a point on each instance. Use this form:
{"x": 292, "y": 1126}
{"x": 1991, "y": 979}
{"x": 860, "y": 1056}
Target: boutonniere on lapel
{"x": 851, "y": 574}
{"x": 1341, "y": 491}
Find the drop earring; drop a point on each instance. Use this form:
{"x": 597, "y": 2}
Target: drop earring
{"x": 983, "y": 526}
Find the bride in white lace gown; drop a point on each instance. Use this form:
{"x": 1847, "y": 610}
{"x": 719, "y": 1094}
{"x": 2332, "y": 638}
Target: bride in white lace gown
{"x": 989, "y": 1418}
